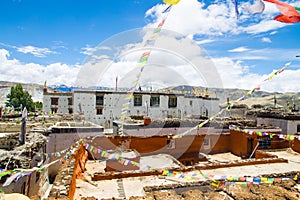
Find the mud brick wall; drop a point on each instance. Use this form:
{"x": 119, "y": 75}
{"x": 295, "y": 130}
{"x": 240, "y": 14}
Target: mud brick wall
{"x": 63, "y": 179}
{"x": 239, "y": 143}
{"x": 296, "y": 145}
{"x": 81, "y": 157}
{"x": 64, "y": 185}
{"x": 260, "y": 154}
{"x": 185, "y": 149}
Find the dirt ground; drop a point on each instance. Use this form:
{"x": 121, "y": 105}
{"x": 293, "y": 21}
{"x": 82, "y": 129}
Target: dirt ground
{"x": 278, "y": 191}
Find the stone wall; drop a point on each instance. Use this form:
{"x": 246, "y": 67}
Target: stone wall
{"x": 64, "y": 185}
{"x": 10, "y": 127}
{"x": 9, "y": 140}
{"x": 62, "y": 182}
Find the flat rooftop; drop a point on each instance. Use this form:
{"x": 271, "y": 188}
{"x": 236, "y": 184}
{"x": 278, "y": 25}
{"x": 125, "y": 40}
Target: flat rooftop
{"x": 262, "y": 169}
{"x": 134, "y": 186}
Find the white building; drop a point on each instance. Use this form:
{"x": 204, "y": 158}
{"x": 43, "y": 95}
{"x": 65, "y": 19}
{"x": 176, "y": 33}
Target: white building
{"x": 288, "y": 122}
{"x": 103, "y": 107}
{"x": 58, "y": 102}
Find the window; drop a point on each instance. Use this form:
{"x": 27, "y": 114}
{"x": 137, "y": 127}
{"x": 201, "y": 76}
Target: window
{"x": 264, "y": 143}
{"x": 154, "y": 101}
{"x": 54, "y": 101}
{"x": 70, "y": 110}
{"x": 99, "y": 100}
{"x": 298, "y": 128}
{"x": 170, "y": 144}
{"x": 137, "y": 100}
{"x": 206, "y": 144}
{"x": 70, "y": 101}
{"x": 37, "y": 176}
{"x": 99, "y": 111}
{"x": 172, "y": 101}
{"x": 191, "y": 103}
{"x": 54, "y": 110}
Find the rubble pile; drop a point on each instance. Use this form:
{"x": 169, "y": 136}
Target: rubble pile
{"x": 21, "y": 156}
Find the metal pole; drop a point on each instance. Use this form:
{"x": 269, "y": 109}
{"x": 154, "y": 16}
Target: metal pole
{"x": 254, "y": 149}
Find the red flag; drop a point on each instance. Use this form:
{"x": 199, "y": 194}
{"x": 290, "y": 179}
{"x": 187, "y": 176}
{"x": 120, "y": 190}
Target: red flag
{"x": 284, "y": 8}
{"x": 287, "y": 19}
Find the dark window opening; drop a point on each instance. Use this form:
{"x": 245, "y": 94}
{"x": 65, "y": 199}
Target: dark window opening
{"x": 54, "y": 110}
{"x": 206, "y": 142}
{"x": 70, "y": 110}
{"x": 298, "y": 128}
{"x": 37, "y": 176}
{"x": 170, "y": 144}
{"x": 54, "y": 101}
{"x": 99, "y": 111}
{"x": 70, "y": 101}
{"x": 23, "y": 188}
{"x": 264, "y": 143}
{"x": 99, "y": 100}
{"x": 154, "y": 101}
{"x": 172, "y": 102}
{"x": 137, "y": 100}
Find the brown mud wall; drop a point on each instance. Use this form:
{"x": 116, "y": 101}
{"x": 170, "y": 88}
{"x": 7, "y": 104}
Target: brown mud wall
{"x": 126, "y": 174}
{"x": 186, "y": 148}
{"x": 81, "y": 157}
{"x": 296, "y": 145}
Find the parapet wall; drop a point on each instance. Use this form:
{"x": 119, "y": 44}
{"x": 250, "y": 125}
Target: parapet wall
{"x": 81, "y": 157}
{"x": 261, "y": 154}
{"x": 296, "y": 145}
{"x": 64, "y": 185}
{"x": 127, "y": 174}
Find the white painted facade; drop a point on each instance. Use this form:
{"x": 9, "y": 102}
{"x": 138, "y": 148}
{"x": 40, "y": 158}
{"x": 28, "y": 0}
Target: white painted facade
{"x": 64, "y": 102}
{"x": 110, "y": 104}
{"x": 113, "y": 102}
{"x": 288, "y": 126}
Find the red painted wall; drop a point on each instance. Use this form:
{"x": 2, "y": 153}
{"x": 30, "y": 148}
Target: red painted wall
{"x": 185, "y": 148}
{"x": 296, "y": 145}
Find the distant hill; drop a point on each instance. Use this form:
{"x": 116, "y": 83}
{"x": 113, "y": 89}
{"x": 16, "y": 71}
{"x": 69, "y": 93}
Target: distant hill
{"x": 258, "y": 97}
{"x": 35, "y": 90}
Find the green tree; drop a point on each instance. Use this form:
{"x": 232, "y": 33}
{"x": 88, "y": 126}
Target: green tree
{"x": 38, "y": 105}
{"x": 19, "y": 98}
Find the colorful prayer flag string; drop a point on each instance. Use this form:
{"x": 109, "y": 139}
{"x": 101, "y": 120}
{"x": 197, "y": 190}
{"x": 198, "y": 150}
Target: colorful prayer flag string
{"x": 262, "y": 133}
{"x": 142, "y": 62}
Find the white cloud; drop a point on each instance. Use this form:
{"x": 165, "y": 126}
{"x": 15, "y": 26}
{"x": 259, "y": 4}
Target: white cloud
{"x": 239, "y": 49}
{"x": 88, "y": 50}
{"x": 36, "y": 51}
{"x": 16, "y": 71}
{"x": 235, "y": 75}
{"x": 200, "y": 42}
{"x": 263, "y": 26}
{"x": 174, "y": 60}
{"x": 266, "y": 39}
{"x": 213, "y": 19}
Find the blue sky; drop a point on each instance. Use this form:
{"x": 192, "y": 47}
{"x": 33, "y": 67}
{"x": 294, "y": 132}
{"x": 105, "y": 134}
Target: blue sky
{"x": 52, "y": 40}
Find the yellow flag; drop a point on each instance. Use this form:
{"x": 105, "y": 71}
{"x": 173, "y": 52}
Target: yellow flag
{"x": 171, "y": 2}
